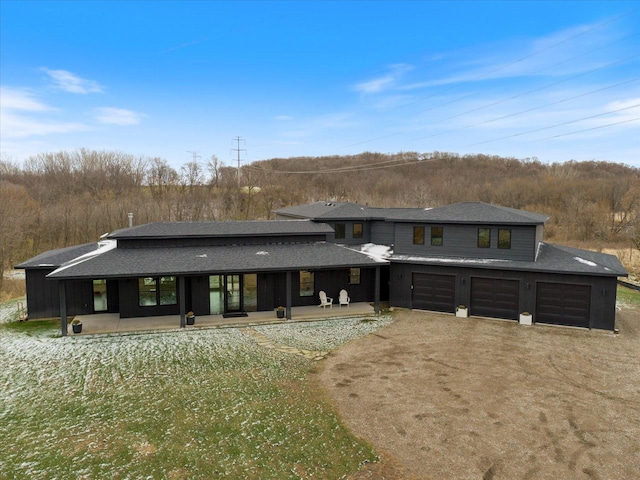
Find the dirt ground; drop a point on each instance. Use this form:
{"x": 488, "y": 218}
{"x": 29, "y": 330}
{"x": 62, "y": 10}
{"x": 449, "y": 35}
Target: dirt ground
{"x": 444, "y": 397}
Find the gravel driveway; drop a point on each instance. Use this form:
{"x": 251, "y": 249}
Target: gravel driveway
{"x": 444, "y": 397}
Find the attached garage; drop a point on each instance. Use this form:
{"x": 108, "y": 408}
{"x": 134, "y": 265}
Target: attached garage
{"x": 495, "y": 297}
{"x": 434, "y": 292}
{"x": 563, "y": 304}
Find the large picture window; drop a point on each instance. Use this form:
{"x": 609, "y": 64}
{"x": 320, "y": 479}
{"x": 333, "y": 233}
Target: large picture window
{"x": 484, "y": 237}
{"x": 504, "y": 238}
{"x": 436, "y": 236}
{"x": 307, "y": 284}
{"x": 339, "y": 228}
{"x": 418, "y": 235}
{"x": 154, "y": 291}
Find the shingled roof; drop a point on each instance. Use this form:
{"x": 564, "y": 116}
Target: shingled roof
{"x": 470, "y": 213}
{"x": 323, "y": 211}
{"x": 214, "y": 259}
{"x": 550, "y": 259}
{"x": 55, "y": 258}
{"x": 222, "y": 229}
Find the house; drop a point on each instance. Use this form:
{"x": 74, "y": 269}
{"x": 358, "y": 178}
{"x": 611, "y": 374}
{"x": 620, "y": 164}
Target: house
{"x": 492, "y": 260}
{"x": 227, "y": 268}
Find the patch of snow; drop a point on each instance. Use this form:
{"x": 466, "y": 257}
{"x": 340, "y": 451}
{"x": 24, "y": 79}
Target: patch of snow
{"x": 204, "y": 255}
{"x": 585, "y": 262}
{"x": 376, "y": 252}
{"x": 103, "y": 247}
{"x": 262, "y": 252}
{"x": 481, "y": 261}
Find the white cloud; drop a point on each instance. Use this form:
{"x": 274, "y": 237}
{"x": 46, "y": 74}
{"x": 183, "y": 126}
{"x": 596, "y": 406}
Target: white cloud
{"x": 385, "y": 82}
{"x": 17, "y": 107}
{"x": 20, "y": 126}
{"x": 118, "y": 116}
{"x": 71, "y": 83}
{"x": 19, "y": 99}
{"x": 283, "y": 118}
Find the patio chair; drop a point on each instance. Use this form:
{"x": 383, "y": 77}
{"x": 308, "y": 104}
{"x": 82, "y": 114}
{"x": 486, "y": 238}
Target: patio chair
{"x": 344, "y": 298}
{"x": 324, "y": 300}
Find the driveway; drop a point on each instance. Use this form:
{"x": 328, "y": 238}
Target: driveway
{"x": 445, "y": 397}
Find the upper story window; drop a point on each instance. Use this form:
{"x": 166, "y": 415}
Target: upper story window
{"x": 339, "y": 228}
{"x": 484, "y": 237}
{"x": 357, "y": 230}
{"x": 418, "y": 235}
{"x": 504, "y": 238}
{"x": 436, "y": 236}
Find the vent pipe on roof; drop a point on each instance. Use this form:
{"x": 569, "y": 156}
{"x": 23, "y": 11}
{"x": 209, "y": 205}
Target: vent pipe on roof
{"x": 130, "y": 215}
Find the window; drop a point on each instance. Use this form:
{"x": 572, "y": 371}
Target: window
{"x": 147, "y": 292}
{"x": 339, "y": 230}
{"x": 418, "y": 235}
{"x": 357, "y": 230}
{"x": 504, "y": 238}
{"x": 436, "y": 236}
{"x": 307, "y": 284}
{"x": 354, "y": 276}
{"x": 168, "y": 291}
{"x": 484, "y": 237}
{"x": 149, "y": 295}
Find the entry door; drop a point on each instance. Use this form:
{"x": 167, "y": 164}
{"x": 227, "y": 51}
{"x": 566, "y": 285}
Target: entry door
{"x": 233, "y": 293}
{"x": 216, "y": 294}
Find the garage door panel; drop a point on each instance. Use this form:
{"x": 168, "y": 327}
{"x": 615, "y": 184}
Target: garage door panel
{"x": 563, "y": 304}
{"x": 434, "y": 292}
{"x": 495, "y": 297}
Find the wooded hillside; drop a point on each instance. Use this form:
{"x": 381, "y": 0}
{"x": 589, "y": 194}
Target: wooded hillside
{"x": 66, "y": 198}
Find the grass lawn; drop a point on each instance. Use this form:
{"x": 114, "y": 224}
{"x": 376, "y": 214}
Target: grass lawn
{"x": 628, "y": 296}
{"x": 175, "y": 405}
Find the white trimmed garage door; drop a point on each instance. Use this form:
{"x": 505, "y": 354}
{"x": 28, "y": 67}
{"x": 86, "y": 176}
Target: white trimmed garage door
{"x": 495, "y": 297}
{"x": 563, "y": 304}
{"x": 434, "y": 292}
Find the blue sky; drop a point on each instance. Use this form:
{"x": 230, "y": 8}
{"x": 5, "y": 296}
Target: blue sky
{"x": 552, "y": 80}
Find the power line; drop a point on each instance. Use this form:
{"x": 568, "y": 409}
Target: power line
{"x": 589, "y": 129}
{"x": 557, "y": 125}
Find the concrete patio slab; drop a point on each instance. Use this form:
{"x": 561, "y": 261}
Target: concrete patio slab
{"x": 111, "y": 323}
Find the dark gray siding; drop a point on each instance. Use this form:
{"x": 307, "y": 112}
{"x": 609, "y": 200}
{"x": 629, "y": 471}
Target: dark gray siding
{"x": 603, "y": 289}
{"x": 43, "y": 296}
{"x": 217, "y": 241}
{"x": 348, "y": 232}
{"x": 382, "y": 233}
{"x": 462, "y": 241}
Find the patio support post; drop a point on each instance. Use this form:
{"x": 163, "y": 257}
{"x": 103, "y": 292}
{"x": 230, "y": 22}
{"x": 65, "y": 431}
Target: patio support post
{"x": 288, "y": 284}
{"x": 63, "y": 307}
{"x": 182, "y": 301}
{"x": 376, "y": 303}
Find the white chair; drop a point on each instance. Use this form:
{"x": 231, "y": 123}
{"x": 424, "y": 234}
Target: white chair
{"x": 324, "y": 300}
{"x": 344, "y": 298}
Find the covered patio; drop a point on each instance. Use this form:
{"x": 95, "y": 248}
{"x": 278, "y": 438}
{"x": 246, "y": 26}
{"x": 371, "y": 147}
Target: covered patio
{"x": 111, "y": 323}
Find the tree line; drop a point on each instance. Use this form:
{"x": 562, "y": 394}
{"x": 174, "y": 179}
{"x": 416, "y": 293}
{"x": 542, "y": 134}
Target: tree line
{"x": 54, "y": 200}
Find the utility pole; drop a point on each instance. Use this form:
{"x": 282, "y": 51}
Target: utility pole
{"x": 238, "y": 150}
{"x": 195, "y": 156}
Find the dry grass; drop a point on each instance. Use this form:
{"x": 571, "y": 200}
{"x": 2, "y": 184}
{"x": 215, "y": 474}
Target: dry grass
{"x": 12, "y": 288}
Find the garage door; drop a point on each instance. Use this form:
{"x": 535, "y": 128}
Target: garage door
{"x": 563, "y": 304}
{"x": 434, "y": 292}
{"x": 495, "y": 297}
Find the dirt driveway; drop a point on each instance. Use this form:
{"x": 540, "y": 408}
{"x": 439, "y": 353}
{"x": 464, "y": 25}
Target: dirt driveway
{"x": 442, "y": 397}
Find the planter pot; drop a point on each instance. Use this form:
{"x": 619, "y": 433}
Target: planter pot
{"x": 191, "y": 320}
{"x": 280, "y": 313}
{"x": 77, "y": 327}
{"x": 462, "y": 312}
{"x": 525, "y": 319}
